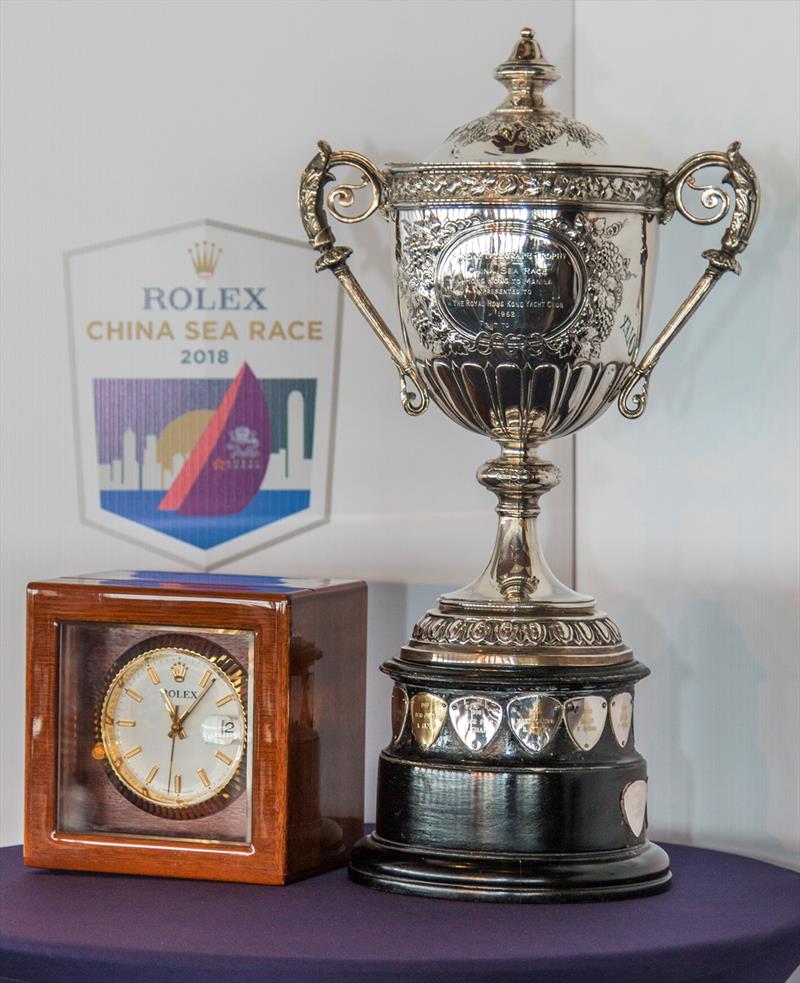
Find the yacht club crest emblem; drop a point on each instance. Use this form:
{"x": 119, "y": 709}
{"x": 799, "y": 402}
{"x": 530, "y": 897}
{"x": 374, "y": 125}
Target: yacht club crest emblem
{"x": 205, "y": 387}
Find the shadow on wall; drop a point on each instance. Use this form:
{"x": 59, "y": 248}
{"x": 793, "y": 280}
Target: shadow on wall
{"x": 715, "y": 723}
{"x": 393, "y": 611}
{"x": 722, "y": 711}
{"x": 659, "y": 735}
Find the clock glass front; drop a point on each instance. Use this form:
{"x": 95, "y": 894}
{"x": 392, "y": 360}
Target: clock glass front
{"x": 155, "y": 731}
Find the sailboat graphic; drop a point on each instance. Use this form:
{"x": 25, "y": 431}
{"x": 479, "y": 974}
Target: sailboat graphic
{"x": 226, "y": 466}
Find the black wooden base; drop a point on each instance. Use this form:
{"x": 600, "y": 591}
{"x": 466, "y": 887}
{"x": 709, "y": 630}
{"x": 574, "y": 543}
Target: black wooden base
{"x": 486, "y": 814}
{"x": 605, "y": 876}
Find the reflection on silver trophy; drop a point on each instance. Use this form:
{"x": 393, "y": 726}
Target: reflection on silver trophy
{"x": 524, "y": 266}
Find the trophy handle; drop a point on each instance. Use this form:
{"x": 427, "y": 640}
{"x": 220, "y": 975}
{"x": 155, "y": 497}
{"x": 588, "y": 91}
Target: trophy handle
{"x": 741, "y": 177}
{"x": 313, "y": 204}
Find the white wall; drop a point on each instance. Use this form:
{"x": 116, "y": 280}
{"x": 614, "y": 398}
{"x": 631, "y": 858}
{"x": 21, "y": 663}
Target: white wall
{"x": 687, "y": 519}
{"x": 124, "y": 117}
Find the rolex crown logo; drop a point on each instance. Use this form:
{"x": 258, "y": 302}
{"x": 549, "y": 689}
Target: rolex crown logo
{"x": 179, "y": 671}
{"x": 205, "y": 256}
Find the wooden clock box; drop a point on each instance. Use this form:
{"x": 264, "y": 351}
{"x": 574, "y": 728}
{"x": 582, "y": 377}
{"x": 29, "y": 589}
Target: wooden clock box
{"x": 194, "y": 725}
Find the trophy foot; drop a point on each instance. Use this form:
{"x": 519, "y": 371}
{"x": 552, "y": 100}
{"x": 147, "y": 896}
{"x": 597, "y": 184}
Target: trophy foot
{"x": 473, "y": 876}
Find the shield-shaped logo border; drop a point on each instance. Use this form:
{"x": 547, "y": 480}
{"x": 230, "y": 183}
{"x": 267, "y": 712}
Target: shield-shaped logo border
{"x": 196, "y": 562}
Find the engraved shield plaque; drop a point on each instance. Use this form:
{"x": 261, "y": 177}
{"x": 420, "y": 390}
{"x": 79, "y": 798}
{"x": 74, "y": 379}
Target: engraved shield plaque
{"x": 634, "y": 804}
{"x": 534, "y": 720}
{"x": 512, "y": 278}
{"x": 585, "y": 717}
{"x": 399, "y": 711}
{"x": 428, "y": 713}
{"x": 475, "y": 719}
{"x": 621, "y": 712}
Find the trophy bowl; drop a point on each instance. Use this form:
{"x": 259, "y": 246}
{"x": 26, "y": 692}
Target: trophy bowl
{"x": 524, "y": 265}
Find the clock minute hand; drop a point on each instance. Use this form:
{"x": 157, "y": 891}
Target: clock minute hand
{"x": 179, "y": 721}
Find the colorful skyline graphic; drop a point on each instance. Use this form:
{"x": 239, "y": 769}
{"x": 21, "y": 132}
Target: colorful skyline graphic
{"x": 205, "y": 460}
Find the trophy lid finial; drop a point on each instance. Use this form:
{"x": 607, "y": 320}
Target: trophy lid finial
{"x": 523, "y": 126}
{"x": 526, "y": 73}
{"x": 527, "y": 59}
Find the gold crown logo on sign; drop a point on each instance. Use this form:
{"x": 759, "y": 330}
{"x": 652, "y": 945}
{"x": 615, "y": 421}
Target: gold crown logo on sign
{"x": 179, "y": 671}
{"x": 205, "y": 256}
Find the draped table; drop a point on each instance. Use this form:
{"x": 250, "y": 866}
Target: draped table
{"x": 726, "y": 919}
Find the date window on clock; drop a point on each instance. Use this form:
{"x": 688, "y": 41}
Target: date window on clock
{"x": 218, "y": 729}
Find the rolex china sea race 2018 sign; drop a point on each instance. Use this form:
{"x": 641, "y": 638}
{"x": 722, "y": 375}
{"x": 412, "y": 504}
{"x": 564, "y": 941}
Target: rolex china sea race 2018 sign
{"x": 205, "y": 363}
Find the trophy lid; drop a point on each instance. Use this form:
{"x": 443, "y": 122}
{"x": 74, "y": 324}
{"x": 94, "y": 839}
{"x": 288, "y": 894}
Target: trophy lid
{"x": 523, "y": 127}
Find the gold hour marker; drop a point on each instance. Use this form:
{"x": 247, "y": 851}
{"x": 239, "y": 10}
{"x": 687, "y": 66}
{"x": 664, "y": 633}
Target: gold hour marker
{"x": 177, "y": 784}
{"x": 126, "y": 723}
{"x": 205, "y": 679}
{"x": 224, "y": 700}
{"x": 134, "y": 695}
{"x": 223, "y": 757}
{"x": 133, "y": 752}
{"x": 151, "y": 774}
{"x": 204, "y": 777}
{"x": 155, "y": 679}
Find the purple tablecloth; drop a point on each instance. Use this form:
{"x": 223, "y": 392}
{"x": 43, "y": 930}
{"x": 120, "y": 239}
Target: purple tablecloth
{"x": 726, "y": 919}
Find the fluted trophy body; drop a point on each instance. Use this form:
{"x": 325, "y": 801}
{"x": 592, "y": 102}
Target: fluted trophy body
{"x": 524, "y": 264}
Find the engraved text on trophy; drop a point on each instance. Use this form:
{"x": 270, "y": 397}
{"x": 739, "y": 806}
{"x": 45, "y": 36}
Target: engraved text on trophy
{"x": 511, "y": 278}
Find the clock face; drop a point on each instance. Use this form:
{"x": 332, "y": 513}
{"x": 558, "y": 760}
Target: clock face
{"x": 173, "y": 726}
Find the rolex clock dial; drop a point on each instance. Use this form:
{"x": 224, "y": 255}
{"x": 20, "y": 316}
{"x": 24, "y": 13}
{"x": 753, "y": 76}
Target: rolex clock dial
{"x": 172, "y": 726}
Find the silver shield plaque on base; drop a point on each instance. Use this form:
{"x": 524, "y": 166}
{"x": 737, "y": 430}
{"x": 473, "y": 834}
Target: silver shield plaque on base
{"x": 534, "y": 720}
{"x": 475, "y": 719}
{"x": 586, "y": 718}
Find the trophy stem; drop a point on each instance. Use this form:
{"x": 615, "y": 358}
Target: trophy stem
{"x": 517, "y": 576}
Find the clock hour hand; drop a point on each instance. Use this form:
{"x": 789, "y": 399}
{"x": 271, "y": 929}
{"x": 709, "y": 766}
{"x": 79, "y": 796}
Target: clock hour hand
{"x": 173, "y": 715}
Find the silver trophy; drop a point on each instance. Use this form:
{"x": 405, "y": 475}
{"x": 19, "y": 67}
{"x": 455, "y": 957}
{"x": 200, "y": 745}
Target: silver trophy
{"x": 524, "y": 267}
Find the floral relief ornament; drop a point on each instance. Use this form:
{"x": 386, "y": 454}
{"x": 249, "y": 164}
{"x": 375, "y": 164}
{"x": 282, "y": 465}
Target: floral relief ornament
{"x": 425, "y": 237}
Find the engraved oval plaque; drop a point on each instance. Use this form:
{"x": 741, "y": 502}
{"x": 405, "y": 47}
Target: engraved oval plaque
{"x": 510, "y": 278}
